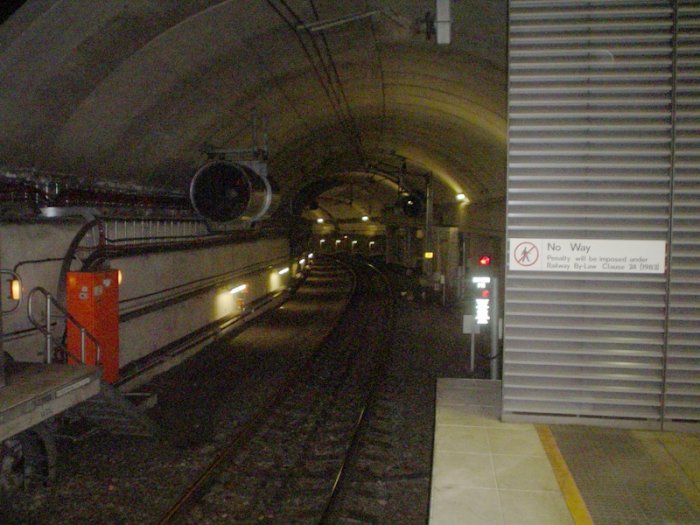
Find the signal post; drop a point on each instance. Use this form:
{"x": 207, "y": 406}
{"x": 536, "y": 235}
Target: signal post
{"x": 482, "y": 302}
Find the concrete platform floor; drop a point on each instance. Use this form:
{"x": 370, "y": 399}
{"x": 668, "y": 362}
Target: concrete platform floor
{"x": 486, "y": 472}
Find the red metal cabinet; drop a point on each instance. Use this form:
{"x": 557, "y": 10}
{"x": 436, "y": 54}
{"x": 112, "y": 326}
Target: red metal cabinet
{"x": 93, "y": 299}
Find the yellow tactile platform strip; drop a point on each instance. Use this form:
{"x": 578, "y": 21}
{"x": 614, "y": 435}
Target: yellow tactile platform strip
{"x": 572, "y": 496}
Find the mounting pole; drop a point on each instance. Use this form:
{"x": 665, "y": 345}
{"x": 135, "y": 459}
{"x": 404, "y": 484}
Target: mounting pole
{"x": 2, "y": 352}
{"x": 495, "y": 314}
{"x": 428, "y": 237}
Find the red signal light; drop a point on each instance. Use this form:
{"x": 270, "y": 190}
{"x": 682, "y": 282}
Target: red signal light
{"x": 485, "y": 260}
{"x": 485, "y": 294}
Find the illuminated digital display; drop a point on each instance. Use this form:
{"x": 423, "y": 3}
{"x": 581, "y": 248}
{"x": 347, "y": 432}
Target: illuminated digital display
{"x": 481, "y": 282}
{"x": 482, "y": 311}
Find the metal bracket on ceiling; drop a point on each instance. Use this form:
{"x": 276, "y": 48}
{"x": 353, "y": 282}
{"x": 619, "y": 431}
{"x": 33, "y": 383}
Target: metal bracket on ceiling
{"x": 254, "y": 157}
{"x": 443, "y": 22}
{"x": 437, "y": 25}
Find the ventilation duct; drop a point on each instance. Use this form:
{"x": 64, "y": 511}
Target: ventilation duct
{"x": 224, "y": 191}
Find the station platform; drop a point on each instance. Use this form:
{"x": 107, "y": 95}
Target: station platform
{"x": 36, "y": 392}
{"x": 487, "y": 472}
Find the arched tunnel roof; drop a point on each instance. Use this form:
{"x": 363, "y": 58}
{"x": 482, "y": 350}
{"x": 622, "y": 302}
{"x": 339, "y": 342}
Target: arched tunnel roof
{"x": 132, "y": 91}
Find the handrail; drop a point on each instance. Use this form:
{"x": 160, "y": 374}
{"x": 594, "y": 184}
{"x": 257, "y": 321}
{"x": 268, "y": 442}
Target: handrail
{"x": 45, "y": 329}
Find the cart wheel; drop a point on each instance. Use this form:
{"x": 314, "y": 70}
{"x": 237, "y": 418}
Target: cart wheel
{"x": 27, "y": 459}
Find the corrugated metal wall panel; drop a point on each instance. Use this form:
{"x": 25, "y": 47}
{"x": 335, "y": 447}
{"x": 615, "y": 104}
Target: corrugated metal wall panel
{"x": 682, "y": 400}
{"x": 590, "y": 156}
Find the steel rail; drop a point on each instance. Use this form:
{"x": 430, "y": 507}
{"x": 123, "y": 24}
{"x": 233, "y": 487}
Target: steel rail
{"x": 196, "y": 490}
{"x": 378, "y": 374}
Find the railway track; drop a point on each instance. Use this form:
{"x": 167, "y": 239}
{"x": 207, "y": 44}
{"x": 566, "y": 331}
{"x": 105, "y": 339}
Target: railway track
{"x": 289, "y": 463}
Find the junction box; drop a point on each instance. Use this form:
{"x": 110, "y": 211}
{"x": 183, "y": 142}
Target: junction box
{"x": 93, "y": 299}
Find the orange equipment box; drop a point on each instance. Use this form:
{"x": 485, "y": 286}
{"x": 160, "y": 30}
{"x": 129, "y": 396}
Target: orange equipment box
{"x": 93, "y": 299}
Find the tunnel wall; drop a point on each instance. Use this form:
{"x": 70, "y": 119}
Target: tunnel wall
{"x": 163, "y": 296}
{"x": 35, "y": 250}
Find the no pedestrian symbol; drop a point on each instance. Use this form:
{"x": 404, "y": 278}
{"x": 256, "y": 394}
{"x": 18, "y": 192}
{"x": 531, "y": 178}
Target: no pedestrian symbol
{"x": 526, "y": 254}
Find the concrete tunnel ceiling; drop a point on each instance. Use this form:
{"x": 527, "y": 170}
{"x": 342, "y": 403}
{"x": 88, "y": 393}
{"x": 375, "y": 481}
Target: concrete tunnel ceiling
{"x": 133, "y": 91}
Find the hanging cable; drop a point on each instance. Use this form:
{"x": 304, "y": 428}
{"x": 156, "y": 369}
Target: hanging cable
{"x": 326, "y": 83}
{"x": 332, "y": 97}
{"x": 353, "y": 122}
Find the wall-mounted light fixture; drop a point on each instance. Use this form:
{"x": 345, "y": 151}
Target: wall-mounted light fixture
{"x": 238, "y": 289}
{"x": 15, "y": 289}
{"x": 320, "y": 220}
{"x": 120, "y": 277}
{"x": 365, "y": 218}
{"x": 461, "y": 197}
{"x": 428, "y": 255}
{"x": 283, "y": 271}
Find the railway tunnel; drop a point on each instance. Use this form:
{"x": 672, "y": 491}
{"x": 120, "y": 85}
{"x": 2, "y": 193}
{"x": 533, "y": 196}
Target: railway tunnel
{"x": 194, "y": 160}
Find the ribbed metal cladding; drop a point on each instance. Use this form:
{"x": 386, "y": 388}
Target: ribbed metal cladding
{"x": 682, "y": 402}
{"x": 590, "y": 157}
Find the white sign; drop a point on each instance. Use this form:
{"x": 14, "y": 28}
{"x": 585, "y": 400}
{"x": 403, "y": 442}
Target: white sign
{"x": 469, "y": 325}
{"x": 587, "y": 255}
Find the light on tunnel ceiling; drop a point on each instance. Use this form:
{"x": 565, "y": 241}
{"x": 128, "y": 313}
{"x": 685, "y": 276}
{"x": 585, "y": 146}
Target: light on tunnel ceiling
{"x": 354, "y": 243}
{"x": 337, "y": 242}
{"x": 322, "y": 241}
{"x": 371, "y": 243}
{"x": 320, "y": 220}
{"x": 302, "y": 261}
{"x": 461, "y": 197}
{"x": 428, "y": 255}
{"x": 365, "y": 218}
{"x": 15, "y": 289}
{"x": 283, "y": 271}
{"x": 311, "y": 256}
{"x": 238, "y": 289}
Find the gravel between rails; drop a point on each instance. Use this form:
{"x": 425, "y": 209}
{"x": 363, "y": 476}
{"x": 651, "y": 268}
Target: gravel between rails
{"x": 286, "y": 472}
{"x": 112, "y": 480}
{"x": 108, "y": 479}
